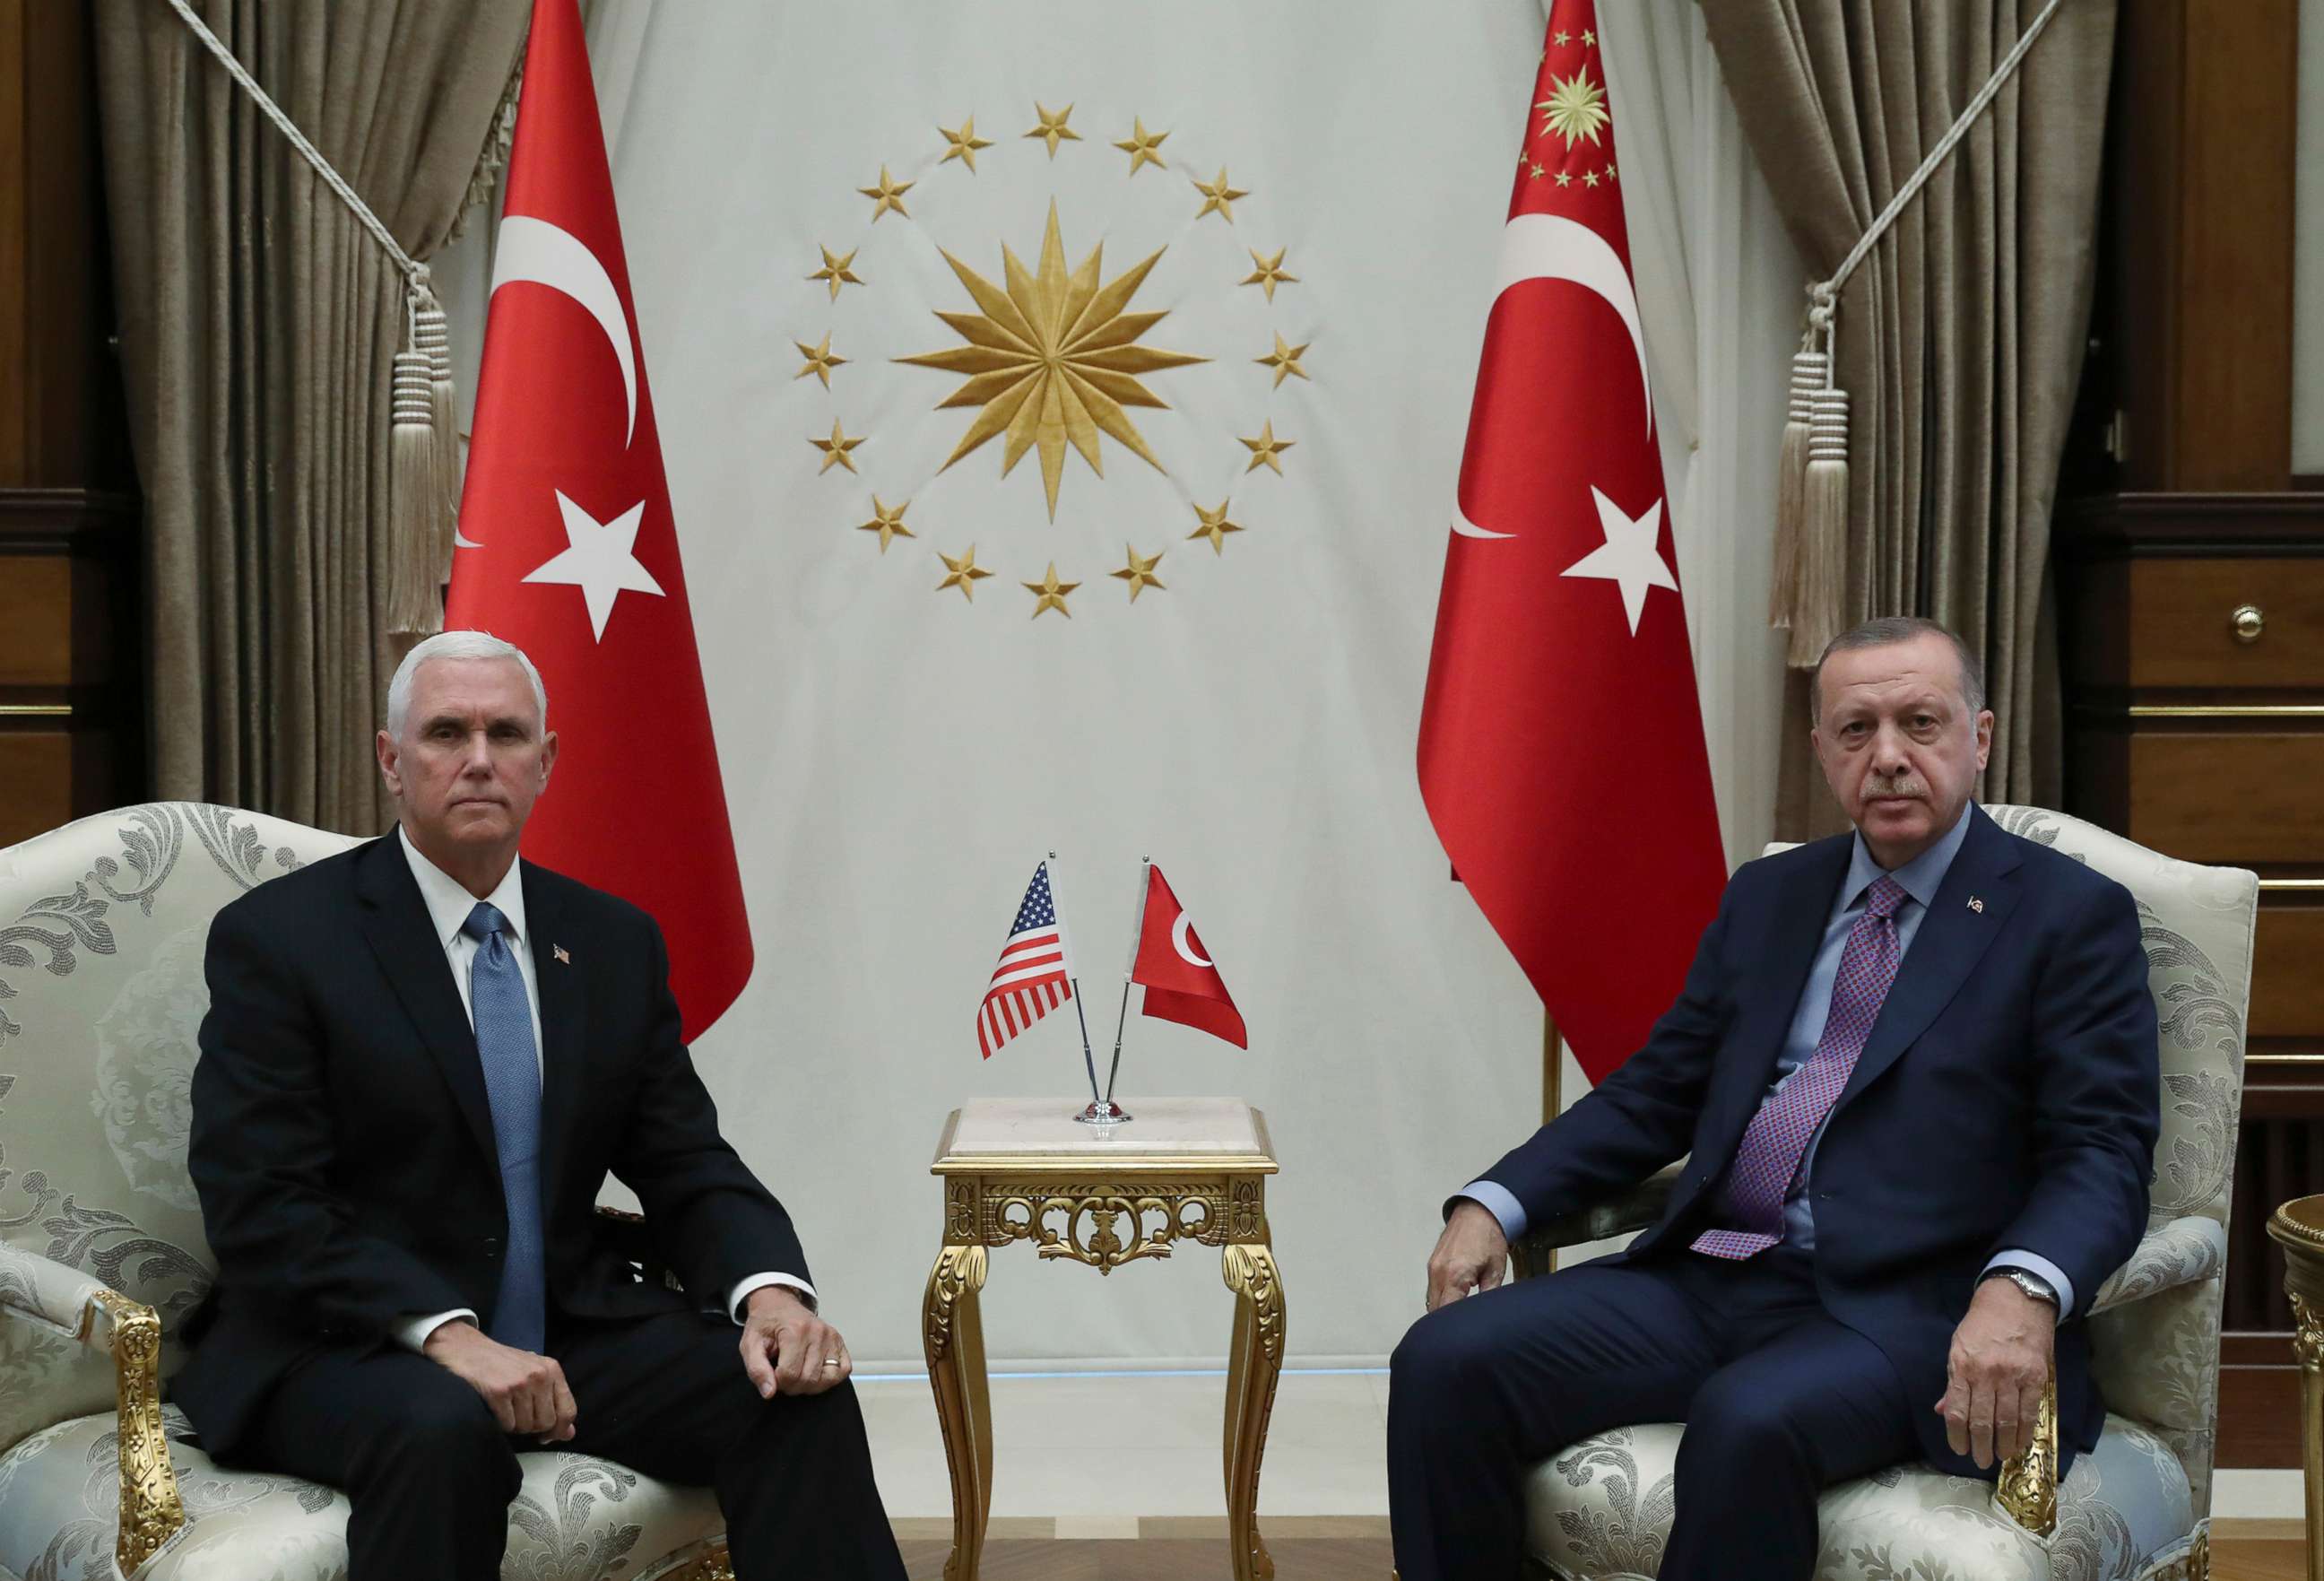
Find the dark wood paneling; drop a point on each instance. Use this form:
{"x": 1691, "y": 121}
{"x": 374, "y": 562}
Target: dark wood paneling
{"x": 2288, "y": 970}
{"x": 2229, "y": 796}
{"x": 2182, "y": 612}
{"x": 36, "y": 780}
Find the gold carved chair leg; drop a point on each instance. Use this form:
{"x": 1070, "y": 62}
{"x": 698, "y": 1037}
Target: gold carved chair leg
{"x": 952, "y": 1333}
{"x": 1254, "y": 1363}
{"x": 151, "y": 1510}
{"x": 2308, "y": 1344}
{"x": 2027, "y": 1487}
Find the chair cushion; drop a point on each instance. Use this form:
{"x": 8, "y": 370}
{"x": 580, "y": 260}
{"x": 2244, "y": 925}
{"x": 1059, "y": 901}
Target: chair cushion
{"x": 576, "y": 1518}
{"x": 1602, "y": 1510}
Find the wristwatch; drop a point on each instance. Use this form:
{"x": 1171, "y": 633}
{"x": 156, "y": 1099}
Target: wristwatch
{"x": 2032, "y": 1284}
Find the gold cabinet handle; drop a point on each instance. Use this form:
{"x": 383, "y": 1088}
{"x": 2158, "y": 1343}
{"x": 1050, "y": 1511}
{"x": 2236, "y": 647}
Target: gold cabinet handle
{"x": 2250, "y": 622}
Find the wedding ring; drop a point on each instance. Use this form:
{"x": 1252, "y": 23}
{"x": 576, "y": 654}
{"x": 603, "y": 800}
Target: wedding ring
{"x": 830, "y": 1362}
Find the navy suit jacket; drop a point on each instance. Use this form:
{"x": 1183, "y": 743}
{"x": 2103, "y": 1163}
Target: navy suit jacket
{"x": 2007, "y": 1096}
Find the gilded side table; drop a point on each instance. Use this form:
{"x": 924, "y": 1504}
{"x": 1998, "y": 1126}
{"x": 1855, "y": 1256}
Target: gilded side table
{"x": 1024, "y": 1170}
{"x": 2298, "y": 1226}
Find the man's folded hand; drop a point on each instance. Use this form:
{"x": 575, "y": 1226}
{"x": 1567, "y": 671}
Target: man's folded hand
{"x": 526, "y": 1392}
{"x": 1471, "y": 1255}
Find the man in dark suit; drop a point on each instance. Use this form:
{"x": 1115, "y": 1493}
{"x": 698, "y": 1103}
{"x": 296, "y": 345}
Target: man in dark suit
{"x": 1915, "y": 1070}
{"x": 421, "y": 1059}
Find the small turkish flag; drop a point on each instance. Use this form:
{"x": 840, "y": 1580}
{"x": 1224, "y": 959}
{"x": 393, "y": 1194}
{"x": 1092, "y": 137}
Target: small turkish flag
{"x": 1181, "y": 983}
{"x": 568, "y": 548}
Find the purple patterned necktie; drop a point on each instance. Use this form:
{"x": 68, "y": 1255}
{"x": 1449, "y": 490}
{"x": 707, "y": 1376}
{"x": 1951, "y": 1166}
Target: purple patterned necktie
{"x": 1777, "y": 1137}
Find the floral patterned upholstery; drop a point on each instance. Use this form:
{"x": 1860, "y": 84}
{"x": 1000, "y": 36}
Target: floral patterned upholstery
{"x": 102, "y": 928}
{"x": 2139, "y": 1505}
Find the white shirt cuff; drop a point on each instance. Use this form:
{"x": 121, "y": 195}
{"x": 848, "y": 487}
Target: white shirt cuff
{"x": 412, "y": 1332}
{"x": 2033, "y": 1263}
{"x": 742, "y": 1288}
{"x": 1497, "y": 1201}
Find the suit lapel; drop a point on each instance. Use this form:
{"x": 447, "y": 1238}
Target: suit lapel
{"x": 564, "y": 1025}
{"x": 1952, "y": 938}
{"x": 403, "y": 939}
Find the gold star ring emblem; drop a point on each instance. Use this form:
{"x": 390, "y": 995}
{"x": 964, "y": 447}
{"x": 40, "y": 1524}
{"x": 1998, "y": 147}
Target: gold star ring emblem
{"x": 888, "y": 521}
{"x": 962, "y": 145}
{"x": 835, "y": 271}
{"x": 1140, "y": 147}
{"x": 1215, "y": 527}
{"x": 1139, "y": 572}
{"x": 1285, "y": 360}
{"x": 1053, "y": 129}
{"x": 1218, "y": 197}
{"x": 835, "y": 449}
{"x": 1574, "y": 109}
{"x": 888, "y": 194}
{"x": 820, "y": 361}
{"x": 1266, "y": 448}
{"x": 964, "y": 573}
{"x": 1270, "y": 273}
{"x": 1048, "y": 594}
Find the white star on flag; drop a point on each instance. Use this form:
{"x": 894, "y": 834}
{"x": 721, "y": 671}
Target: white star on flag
{"x": 1629, "y": 555}
{"x": 601, "y": 561}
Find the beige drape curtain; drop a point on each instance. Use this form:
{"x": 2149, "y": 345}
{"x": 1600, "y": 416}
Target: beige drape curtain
{"x": 257, "y": 322}
{"x": 1961, "y": 338}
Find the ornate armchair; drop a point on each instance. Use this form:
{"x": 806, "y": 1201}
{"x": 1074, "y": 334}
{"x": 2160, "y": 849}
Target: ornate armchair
{"x": 2139, "y": 1506}
{"x": 102, "y": 926}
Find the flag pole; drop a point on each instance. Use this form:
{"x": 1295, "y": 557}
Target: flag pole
{"x": 1101, "y": 1111}
{"x": 1137, "y": 917}
{"x": 1552, "y": 1081}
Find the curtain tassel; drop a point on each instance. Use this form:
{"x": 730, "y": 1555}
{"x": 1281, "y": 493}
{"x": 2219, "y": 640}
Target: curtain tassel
{"x": 415, "y": 489}
{"x": 1823, "y": 529}
{"x": 1810, "y": 373}
{"x": 433, "y": 336}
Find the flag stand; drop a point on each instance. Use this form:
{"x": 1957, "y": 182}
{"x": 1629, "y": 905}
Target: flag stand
{"x": 1552, "y": 1081}
{"x": 1101, "y": 1111}
{"x": 1145, "y": 865}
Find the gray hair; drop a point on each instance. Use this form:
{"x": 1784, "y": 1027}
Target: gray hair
{"x": 455, "y": 645}
{"x": 1887, "y": 631}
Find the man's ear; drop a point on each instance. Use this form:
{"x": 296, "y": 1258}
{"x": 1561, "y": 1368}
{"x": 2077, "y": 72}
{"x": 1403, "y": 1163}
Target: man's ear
{"x": 1984, "y": 736}
{"x": 390, "y": 756}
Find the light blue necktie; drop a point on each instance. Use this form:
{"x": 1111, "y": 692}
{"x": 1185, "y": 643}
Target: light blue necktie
{"x": 513, "y": 1085}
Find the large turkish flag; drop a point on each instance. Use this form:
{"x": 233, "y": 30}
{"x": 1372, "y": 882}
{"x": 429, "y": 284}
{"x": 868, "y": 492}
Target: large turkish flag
{"x": 1560, "y": 745}
{"x": 567, "y": 546}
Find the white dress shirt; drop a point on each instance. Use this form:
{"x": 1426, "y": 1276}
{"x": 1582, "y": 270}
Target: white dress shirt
{"x": 448, "y": 904}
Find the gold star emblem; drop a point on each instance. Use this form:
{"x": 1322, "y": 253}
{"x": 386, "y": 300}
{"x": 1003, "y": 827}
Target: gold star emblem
{"x": 1537, "y": 174}
{"x": 962, "y": 145}
{"x": 1609, "y": 169}
{"x": 820, "y": 361}
{"x": 1215, "y": 527}
{"x": 834, "y": 449}
{"x": 1051, "y": 360}
{"x": 1589, "y": 39}
{"x": 1217, "y": 195}
{"x": 887, "y": 521}
{"x": 1285, "y": 361}
{"x": 1574, "y": 109}
{"x": 1270, "y": 273}
{"x": 1590, "y": 178}
{"x": 835, "y": 271}
{"x": 886, "y": 195}
{"x": 1563, "y": 179}
{"x": 1264, "y": 448}
{"x": 1562, "y": 38}
{"x": 1053, "y": 129}
{"x": 1139, "y": 572}
{"x": 1140, "y": 147}
{"x": 964, "y": 573}
{"x": 1050, "y": 594}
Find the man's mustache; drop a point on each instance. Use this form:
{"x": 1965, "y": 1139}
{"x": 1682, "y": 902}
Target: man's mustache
{"x": 1877, "y": 789}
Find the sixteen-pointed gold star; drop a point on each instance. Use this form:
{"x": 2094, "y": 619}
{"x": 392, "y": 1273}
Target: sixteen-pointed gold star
{"x": 1270, "y": 273}
{"x": 1053, "y": 129}
{"x": 1264, "y": 448}
{"x": 835, "y": 271}
{"x": 1285, "y": 360}
{"x": 834, "y": 449}
{"x": 1139, "y": 572}
{"x": 1574, "y": 109}
{"x": 1052, "y": 360}
{"x": 1215, "y": 527}
{"x": 1050, "y": 594}
{"x": 964, "y": 573}
{"x": 1217, "y": 195}
{"x": 820, "y": 361}
{"x": 888, "y": 521}
{"x": 964, "y": 143}
{"x": 888, "y": 194}
{"x": 1140, "y": 147}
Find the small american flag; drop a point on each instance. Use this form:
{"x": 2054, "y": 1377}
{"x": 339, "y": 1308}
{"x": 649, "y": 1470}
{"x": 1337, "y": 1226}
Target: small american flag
{"x": 1034, "y": 976}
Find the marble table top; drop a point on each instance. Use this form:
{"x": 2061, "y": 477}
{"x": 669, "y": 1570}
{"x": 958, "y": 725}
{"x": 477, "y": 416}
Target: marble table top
{"x": 986, "y": 1132}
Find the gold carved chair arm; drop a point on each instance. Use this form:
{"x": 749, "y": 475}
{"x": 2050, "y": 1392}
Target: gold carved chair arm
{"x": 67, "y": 1302}
{"x": 1638, "y": 1208}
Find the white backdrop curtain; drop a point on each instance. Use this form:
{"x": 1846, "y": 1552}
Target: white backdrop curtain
{"x": 897, "y": 762}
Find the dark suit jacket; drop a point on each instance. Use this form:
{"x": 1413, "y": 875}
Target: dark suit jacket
{"x": 2007, "y": 1096}
{"x": 342, "y": 1143}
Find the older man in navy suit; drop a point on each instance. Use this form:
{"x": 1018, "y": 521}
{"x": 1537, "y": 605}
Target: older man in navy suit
{"x": 1914, "y": 1071}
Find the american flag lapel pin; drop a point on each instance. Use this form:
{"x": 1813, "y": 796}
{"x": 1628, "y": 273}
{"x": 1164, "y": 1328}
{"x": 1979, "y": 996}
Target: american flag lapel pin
{"x": 566, "y": 960}
{"x": 1975, "y": 904}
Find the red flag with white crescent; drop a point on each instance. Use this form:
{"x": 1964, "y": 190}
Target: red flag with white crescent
{"x": 1182, "y": 983}
{"x": 1562, "y": 754}
{"x": 568, "y": 548}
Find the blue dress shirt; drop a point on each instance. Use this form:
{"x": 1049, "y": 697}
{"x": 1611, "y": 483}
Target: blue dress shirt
{"x": 1921, "y": 878}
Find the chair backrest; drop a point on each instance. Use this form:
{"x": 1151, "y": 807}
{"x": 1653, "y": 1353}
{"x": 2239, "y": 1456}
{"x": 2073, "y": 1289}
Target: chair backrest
{"x": 102, "y": 928}
{"x": 2157, "y": 1358}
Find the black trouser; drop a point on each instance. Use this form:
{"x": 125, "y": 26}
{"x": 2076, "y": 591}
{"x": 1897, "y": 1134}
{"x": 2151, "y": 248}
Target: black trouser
{"x": 1779, "y": 1399}
{"x": 431, "y": 1475}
